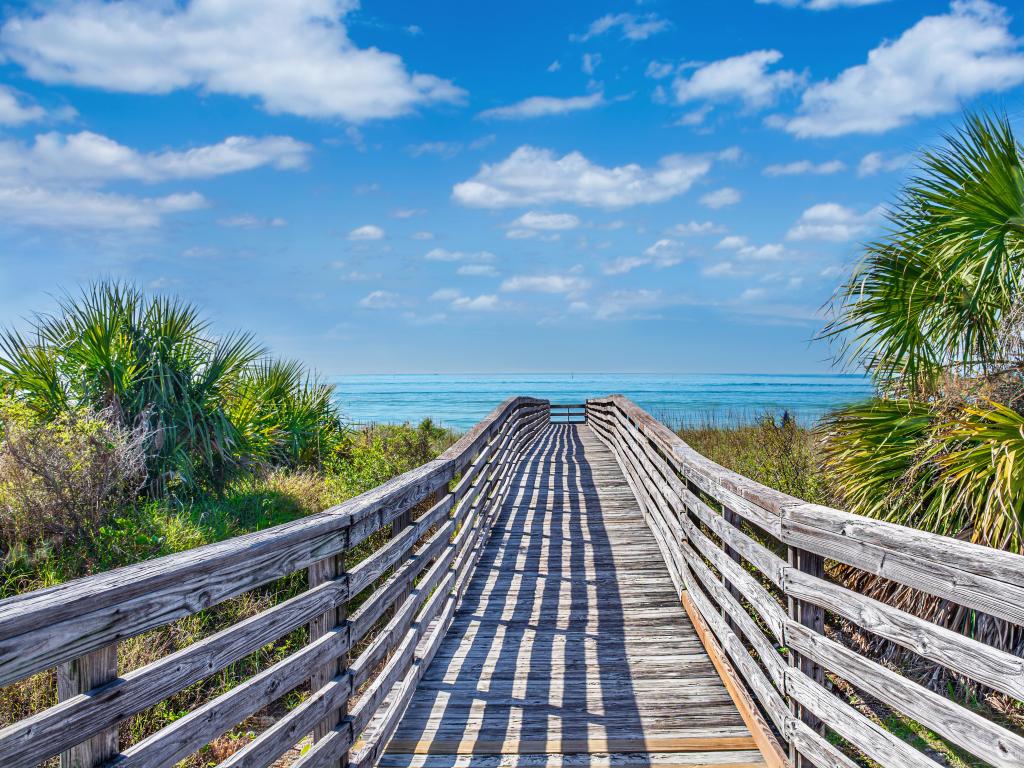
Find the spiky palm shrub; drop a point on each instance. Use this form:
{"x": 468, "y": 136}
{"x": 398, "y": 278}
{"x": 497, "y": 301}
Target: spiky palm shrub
{"x": 217, "y": 406}
{"x": 933, "y": 313}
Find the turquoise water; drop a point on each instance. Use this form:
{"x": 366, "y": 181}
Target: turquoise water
{"x": 459, "y": 401}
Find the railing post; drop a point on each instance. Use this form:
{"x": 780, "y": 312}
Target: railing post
{"x": 318, "y": 573}
{"x": 79, "y": 676}
{"x": 812, "y": 617}
{"x": 734, "y": 520}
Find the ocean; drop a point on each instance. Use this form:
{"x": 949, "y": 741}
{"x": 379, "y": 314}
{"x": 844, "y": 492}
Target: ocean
{"x": 459, "y": 401}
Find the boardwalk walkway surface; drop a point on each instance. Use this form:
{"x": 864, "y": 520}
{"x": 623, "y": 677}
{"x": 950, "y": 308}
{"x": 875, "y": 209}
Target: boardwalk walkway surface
{"x": 570, "y": 646}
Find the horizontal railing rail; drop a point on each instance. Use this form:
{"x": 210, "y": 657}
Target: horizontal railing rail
{"x": 361, "y": 664}
{"x": 749, "y": 564}
{"x": 568, "y": 413}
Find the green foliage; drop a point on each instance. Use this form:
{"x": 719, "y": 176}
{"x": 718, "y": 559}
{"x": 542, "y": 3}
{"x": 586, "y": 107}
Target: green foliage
{"x": 216, "y": 406}
{"x": 931, "y": 295}
{"x": 778, "y": 453}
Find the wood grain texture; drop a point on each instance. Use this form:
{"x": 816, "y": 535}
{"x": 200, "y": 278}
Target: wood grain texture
{"x": 570, "y": 636}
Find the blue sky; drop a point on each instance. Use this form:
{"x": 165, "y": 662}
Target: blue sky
{"x": 475, "y": 187}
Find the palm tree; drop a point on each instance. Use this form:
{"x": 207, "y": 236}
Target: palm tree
{"x": 934, "y": 314}
{"x": 216, "y": 405}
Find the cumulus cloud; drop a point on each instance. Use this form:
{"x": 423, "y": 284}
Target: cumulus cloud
{"x": 90, "y": 157}
{"x": 720, "y": 198}
{"x": 696, "y": 228}
{"x": 744, "y": 78}
{"x": 14, "y": 110}
{"x": 834, "y": 222}
{"x": 566, "y": 284}
{"x": 931, "y": 69}
{"x": 533, "y": 223}
{"x": 745, "y": 250}
{"x": 442, "y": 254}
{"x": 533, "y": 176}
{"x": 632, "y": 26}
{"x": 293, "y": 57}
{"x": 542, "y": 106}
{"x": 366, "y": 232}
{"x": 664, "y": 253}
{"x": 801, "y": 167}
{"x": 380, "y": 300}
{"x": 482, "y": 303}
{"x": 877, "y": 162}
{"x": 250, "y": 221}
{"x": 32, "y": 205}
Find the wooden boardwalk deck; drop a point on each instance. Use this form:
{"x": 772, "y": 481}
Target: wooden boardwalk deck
{"x": 570, "y": 646}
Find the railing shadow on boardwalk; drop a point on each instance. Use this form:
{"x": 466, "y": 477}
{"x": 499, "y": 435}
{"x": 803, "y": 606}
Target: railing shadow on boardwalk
{"x": 516, "y": 613}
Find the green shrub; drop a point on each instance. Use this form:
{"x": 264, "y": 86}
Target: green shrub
{"x": 61, "y": 479}
{"x": 216, "y": 405}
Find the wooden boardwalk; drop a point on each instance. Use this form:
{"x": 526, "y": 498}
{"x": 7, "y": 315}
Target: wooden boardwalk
{"x": 570, "y": 646}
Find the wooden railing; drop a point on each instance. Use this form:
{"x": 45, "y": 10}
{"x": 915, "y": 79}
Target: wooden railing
{"x": 573, "y": 413}
{"x": 363, "y": 664}
{"x": 749, "y": 561}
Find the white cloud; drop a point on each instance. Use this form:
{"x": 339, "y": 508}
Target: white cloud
{"x": 482, "y": 303}
{"x": 745, "y": 78}
{"x": 366, "y": 232}
{"x": 59, "y": 208}
{"x": 380, "y": 300}
{"x": 694, "y": 117}
{"x": 745, "y": 250}
{"x": 633, "y": 27}
{"x": 876, "y": 162}
{"x": 422, "y": 235}
{"x": 442, "y": 254}
{"x": 541, "y": 106}
{"x": 293, "y": 57}
{"x": 656, "y": 70}
{"x": 753, "y": 294}
{"x": 590, "y": 62}
{"x": 532, "y": 176}
{"x": 554, "y": 66}
{"x": 407, "y": 213}
{"x": 831, "y": 221}
{"x": 89, "y": 157}
{"x": 567, "y": 284}
{"x": 931, "y": 69}
{"x": 664, "y": 253}
{"x": 250, "y": 221}
{"x": 541, "y": 220}
{"x": 822, "y": 5}
{"x": 801, "y": 167}
{"x": 720, "y": 198}
{"x": 456, "y": 300}
{"x": 696, "y": 228}
{"x": 445, "y": 294}
{"x": 13, "y": 109}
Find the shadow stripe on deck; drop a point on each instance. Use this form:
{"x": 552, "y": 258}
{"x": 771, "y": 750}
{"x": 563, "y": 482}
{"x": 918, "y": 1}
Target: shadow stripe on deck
{"x": 570, "y": 639}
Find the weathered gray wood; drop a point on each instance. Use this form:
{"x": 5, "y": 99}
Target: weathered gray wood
{"x": 987, "y": 665}
{"x": 816, "y": 530}
{"x": 34, "y": 739}
{"x": 982, "y": 738}
{"x": 200, "y": 726}
{"x": 872, "y": 739}
{"x": 78, "y": 677}
{"x": 320, "y": 572}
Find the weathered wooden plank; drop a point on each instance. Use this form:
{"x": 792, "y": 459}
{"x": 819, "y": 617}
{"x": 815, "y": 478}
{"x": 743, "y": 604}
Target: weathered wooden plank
{"x": 34, "y": 739}
{"x": 982, "y": 738}
{"x": 75, "y": 678}
{"x": 987, "y": 665}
